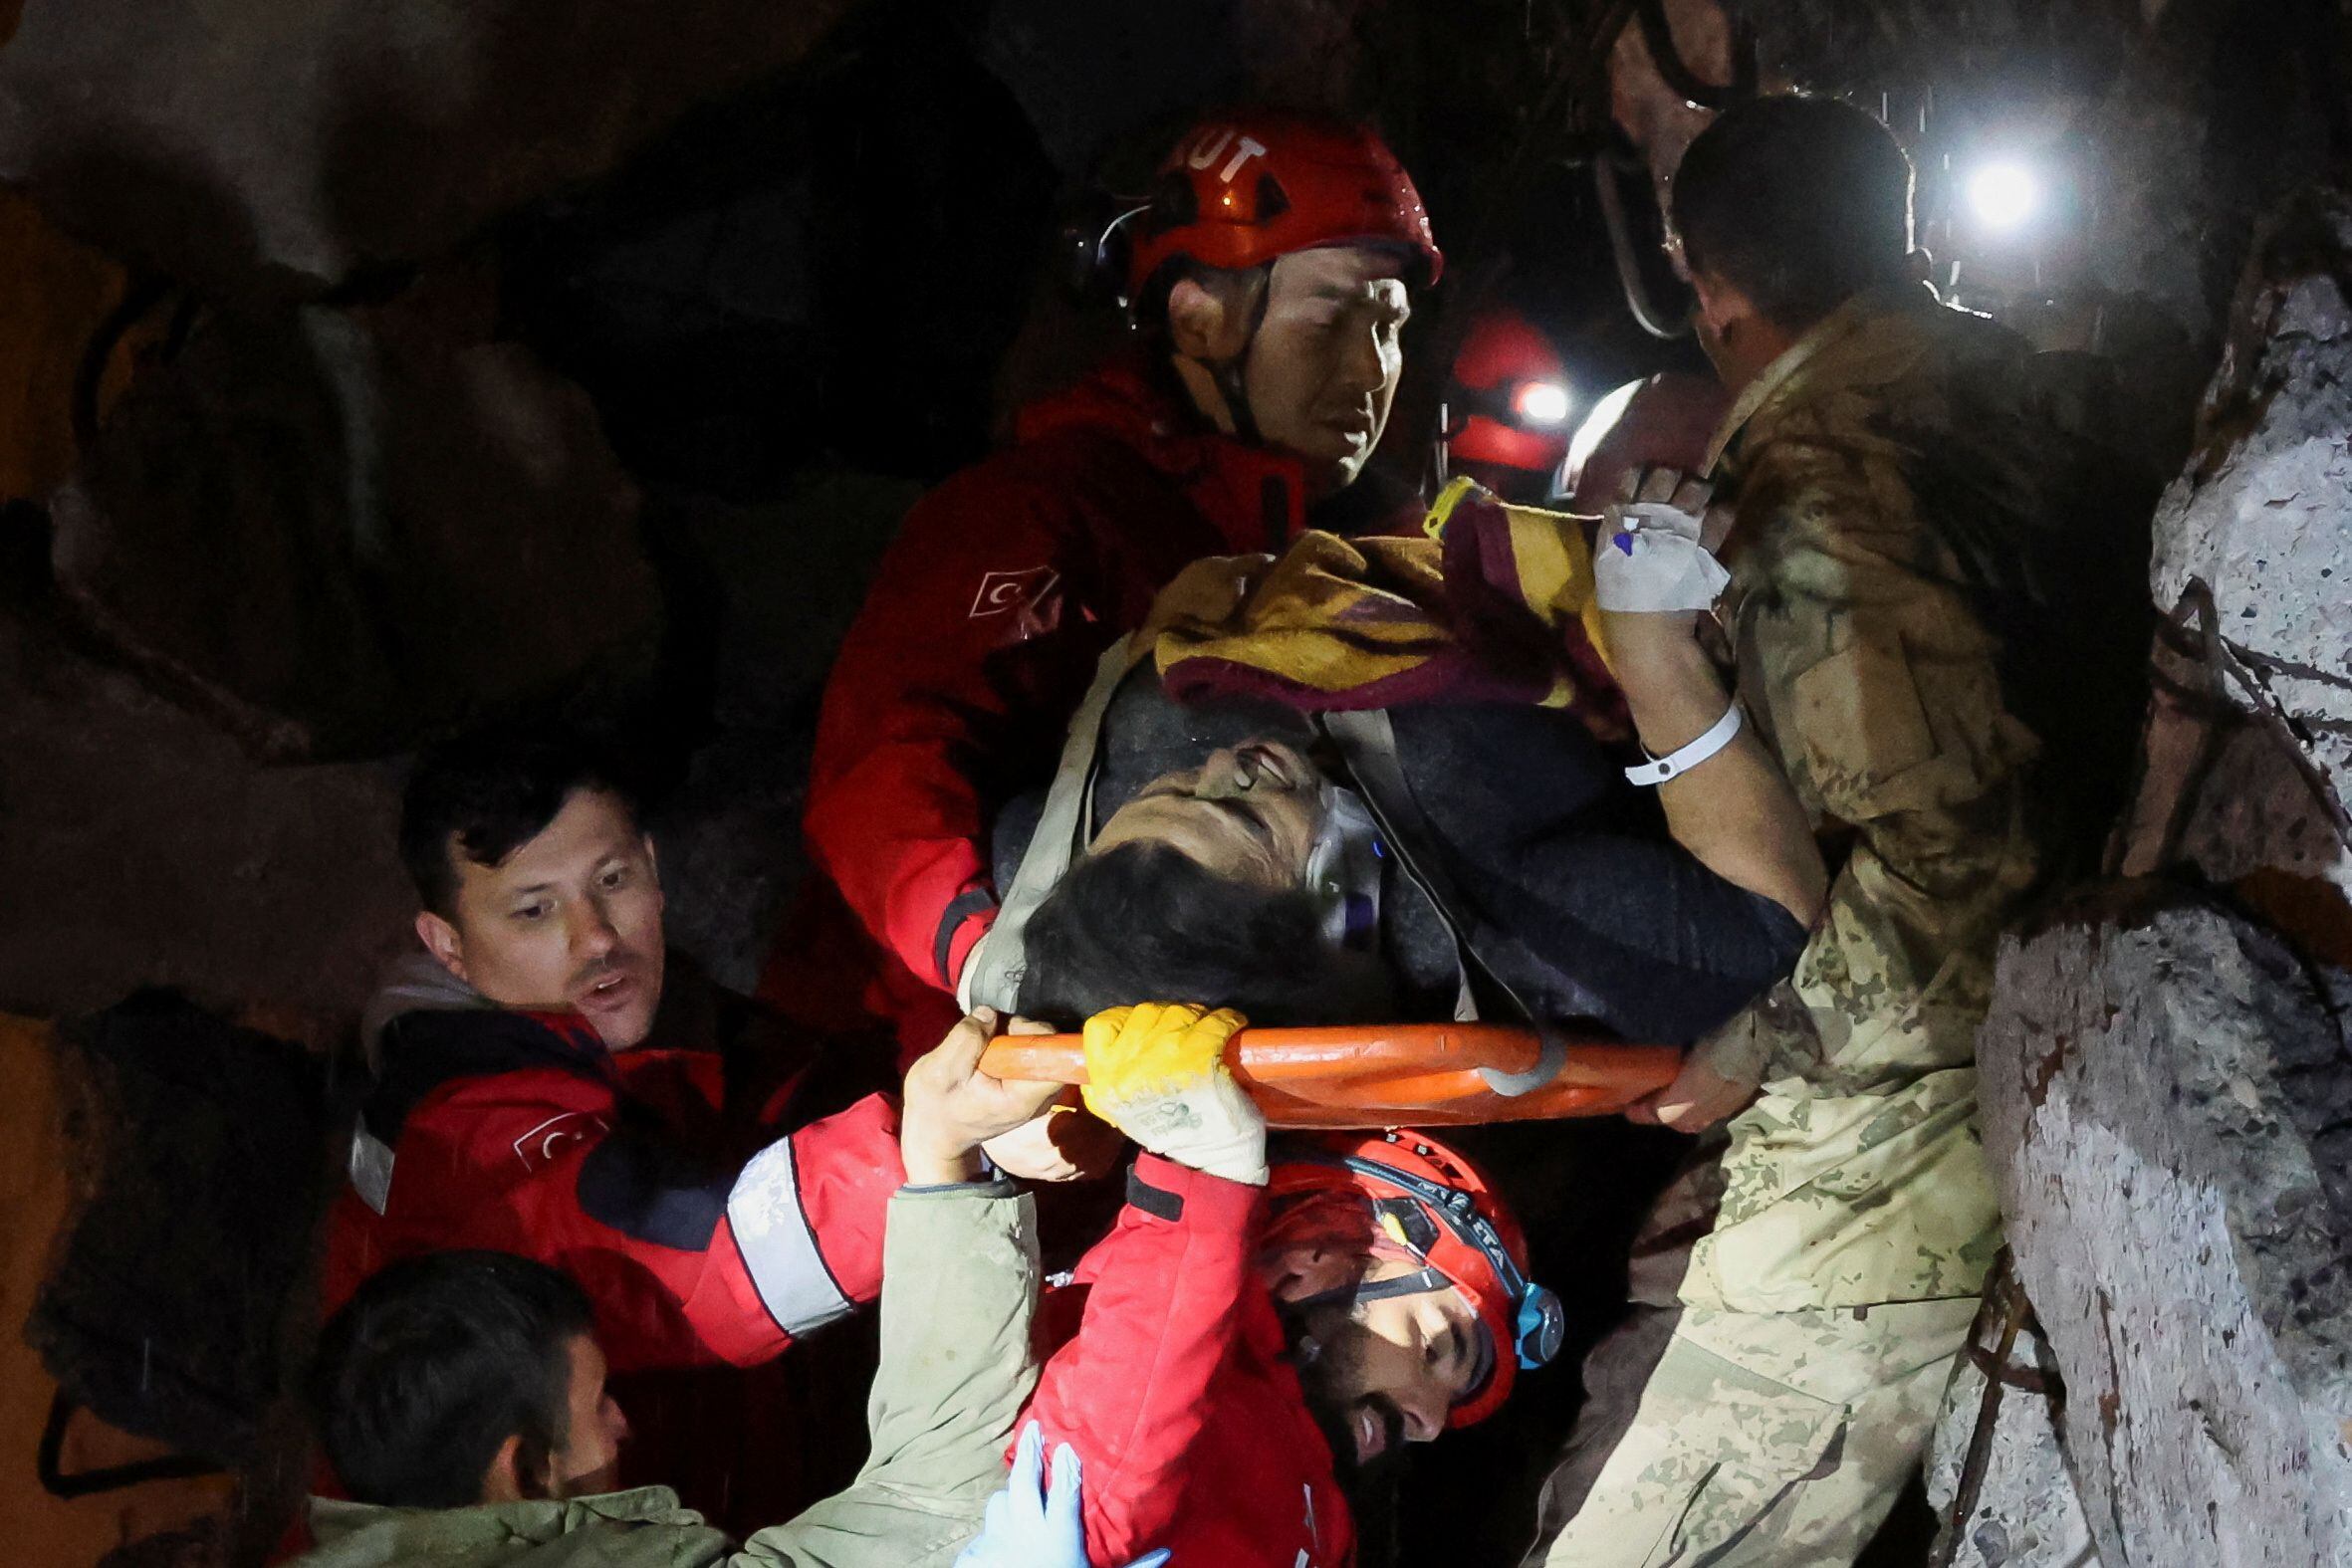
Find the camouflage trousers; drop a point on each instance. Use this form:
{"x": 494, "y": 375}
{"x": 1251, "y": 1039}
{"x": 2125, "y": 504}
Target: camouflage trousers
{"x": 1769, "y": 1440}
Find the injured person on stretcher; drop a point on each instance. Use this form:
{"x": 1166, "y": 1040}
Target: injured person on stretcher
{"x": 1388, "y": 781}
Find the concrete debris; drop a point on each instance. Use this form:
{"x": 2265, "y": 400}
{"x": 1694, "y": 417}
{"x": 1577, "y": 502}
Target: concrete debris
{"x": 141, "y": 846}
{"x": 2168, "y": 1094}
{"x": 2152, "y": 1084}
{"x": 2027, "y": 1513}
{"x": 367, "y": 490}
{"x": 2260, "y": 521}
{"x": 260, "y": 149}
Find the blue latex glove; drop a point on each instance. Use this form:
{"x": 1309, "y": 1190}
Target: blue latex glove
{"x": 1028, "y": 1530}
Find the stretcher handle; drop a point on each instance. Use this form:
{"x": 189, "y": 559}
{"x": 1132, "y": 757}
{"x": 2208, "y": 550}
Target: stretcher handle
{"x": 1381, "y": 1075}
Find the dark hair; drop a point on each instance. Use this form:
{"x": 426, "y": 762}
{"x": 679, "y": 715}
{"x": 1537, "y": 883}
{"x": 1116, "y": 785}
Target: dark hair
{"x": 1800, "y": 203}
{"x": 1145, "y": 922}
{"x": 434, "y": 1364}
{"x": 491, "y": 791}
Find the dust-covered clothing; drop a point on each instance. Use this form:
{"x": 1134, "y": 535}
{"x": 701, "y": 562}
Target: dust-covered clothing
{"x": 1771, "y": 1440}
{"x": 941, "y": 1413}
{"x": 1928, "y": 569}
{"x": 1936, "y": 602}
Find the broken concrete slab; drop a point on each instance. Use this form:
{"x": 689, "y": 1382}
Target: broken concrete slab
{"x": 2158, "y": 1079}
{"x": 141, "y": 846}
{"x": 2167, "y": 1090}
{"x": 263, "y": 148}
{"x": 2027, "y": 1513}
{"x": 2260, "y": 522}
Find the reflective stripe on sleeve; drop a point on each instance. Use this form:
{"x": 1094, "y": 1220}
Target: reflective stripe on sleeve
{"x": 779, "y": 1248}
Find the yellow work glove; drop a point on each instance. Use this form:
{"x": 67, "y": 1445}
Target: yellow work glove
{"x": 1156, "y": 1072}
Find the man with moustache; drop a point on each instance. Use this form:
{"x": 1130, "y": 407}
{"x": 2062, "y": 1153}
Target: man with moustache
{"x": 1265, "y": 1327}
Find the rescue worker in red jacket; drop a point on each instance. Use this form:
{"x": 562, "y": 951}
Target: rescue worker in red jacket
{"x": 1258, "y": 1339}
{"x": 1508, "y": 404}
{"x": 549, "y": 1081}
{"x": 1269, "y": 278}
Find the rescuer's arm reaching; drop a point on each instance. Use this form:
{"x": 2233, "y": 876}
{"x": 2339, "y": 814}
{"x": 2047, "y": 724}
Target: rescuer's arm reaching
{"x": 1724, "y": 795}
{"x": 1129, "y": 1392}
{"x": 1725, "y": 798}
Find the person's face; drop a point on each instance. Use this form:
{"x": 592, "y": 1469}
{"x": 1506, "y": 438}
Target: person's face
{"x": 1739, "y": 341}
{"x": 571, "y": 920}
{"x": 1249, "y": 815}
{"x": 1322, "y": 369}
{"x": 1391, "y": 1371}
{"x": 587, "y": 1460}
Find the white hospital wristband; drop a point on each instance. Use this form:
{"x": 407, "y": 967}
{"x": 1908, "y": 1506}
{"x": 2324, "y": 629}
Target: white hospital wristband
{"x": 1681, "y": 761}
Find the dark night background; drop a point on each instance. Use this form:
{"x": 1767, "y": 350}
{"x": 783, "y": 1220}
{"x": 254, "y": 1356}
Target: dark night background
{"x": 370, "y": 371}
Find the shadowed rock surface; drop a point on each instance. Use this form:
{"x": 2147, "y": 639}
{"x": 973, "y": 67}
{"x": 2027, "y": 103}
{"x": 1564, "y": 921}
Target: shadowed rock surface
{"x": 2168, "y": 1091}
{"x": 2153, "y": 1084}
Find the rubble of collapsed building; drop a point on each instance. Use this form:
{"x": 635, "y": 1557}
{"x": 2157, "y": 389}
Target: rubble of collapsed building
{"x": 223, "y": 616}
{"x": 2167, "y": 1079}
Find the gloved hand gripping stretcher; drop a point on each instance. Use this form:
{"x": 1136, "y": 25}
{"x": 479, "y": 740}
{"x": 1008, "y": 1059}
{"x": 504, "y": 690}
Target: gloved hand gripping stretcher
{"x": 1377, "y": 1075}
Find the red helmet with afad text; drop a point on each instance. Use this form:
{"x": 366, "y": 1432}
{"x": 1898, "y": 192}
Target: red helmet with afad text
{"x": 1243, "y": 188}
{"x": 1510, "y": 398}
{"x": 1444, "y": 1210}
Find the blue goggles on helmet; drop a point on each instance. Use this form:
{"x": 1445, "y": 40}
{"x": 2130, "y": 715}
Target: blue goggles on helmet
{"x": 1539, "y": 1322}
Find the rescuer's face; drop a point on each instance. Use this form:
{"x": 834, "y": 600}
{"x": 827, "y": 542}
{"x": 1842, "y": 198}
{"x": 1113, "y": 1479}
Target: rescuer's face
{"x": 1389, "y": 1372}
{"x": 1738, "y": 341}
{"x": 1322, "y": 369}
{"x": 571, "y": 920}
{"x": 587, "y": 1460}
{"x": 1249, "y": 815}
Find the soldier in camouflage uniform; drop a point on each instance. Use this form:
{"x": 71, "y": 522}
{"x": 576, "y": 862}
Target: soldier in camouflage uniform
{"x": 1923, "y": 539}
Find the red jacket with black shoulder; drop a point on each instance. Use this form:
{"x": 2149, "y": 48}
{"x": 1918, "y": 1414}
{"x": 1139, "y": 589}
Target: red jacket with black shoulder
{"x": 681, "y": 1187}
{"x": 981, "y": 633}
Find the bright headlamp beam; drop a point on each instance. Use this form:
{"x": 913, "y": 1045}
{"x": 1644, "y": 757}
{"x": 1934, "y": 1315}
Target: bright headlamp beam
{"x": 1541, "y": 403}
{"x": 2003, "y": 195}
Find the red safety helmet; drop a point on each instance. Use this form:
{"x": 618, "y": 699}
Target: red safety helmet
{"x": 1443, "y": 1210}
{"x": 1510, "y": 398}
{"x": 1245, "y": 188}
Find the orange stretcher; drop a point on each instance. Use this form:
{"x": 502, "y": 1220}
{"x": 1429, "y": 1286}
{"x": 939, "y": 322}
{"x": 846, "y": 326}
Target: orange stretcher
{"x": 1388, "y": 1076}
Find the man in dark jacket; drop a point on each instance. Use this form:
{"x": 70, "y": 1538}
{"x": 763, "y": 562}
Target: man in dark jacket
{"x": 1324, "y": 867}
{"x": 1271, "y": 274}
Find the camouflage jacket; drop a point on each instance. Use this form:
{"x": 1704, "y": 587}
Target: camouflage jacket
{"x": 1919, "y": 529}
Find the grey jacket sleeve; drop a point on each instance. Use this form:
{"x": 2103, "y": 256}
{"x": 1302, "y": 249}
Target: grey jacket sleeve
{"x": 959, "y": 1290}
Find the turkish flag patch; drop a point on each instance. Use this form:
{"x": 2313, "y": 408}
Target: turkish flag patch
{"x": 543, "y": 1144}
{"x": 1002, "y": 593}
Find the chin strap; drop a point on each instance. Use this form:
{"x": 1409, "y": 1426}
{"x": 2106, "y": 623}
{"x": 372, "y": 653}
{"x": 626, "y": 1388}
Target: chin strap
{"x": 1232, "y": 385}
{"x": 1230, "y": 376}
{"x": 1413, "y": 1284}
